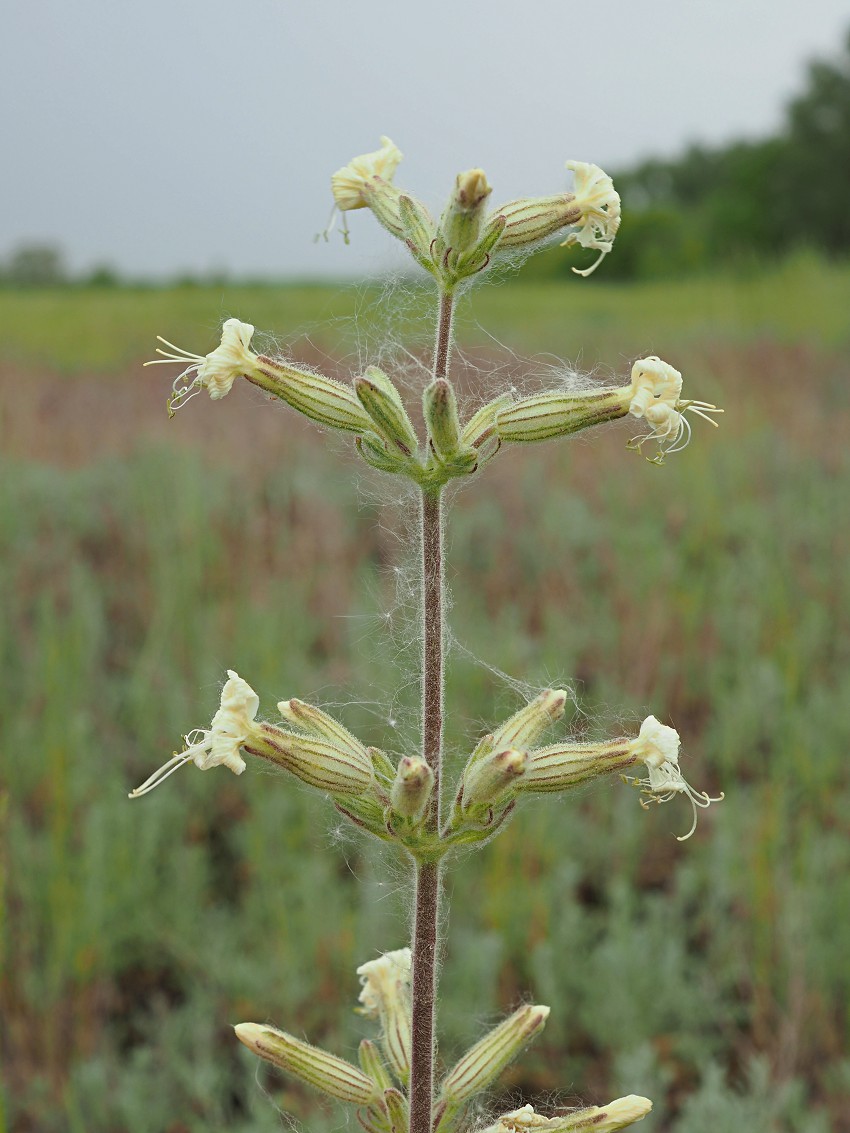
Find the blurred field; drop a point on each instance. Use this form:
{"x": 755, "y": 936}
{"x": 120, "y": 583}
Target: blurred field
{"x": 142, "y": 557}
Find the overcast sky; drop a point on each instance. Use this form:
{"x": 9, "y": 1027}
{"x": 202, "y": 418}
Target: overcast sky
{"x": 200, "y": 134}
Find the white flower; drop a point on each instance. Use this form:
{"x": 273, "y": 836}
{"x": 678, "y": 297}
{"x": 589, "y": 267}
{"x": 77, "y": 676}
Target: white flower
{"x": 657, "y": 746}
{"x": 386, "y": 996}
{"x": 384, "y": 980}
{"x": 348, "y": 184}
{"x": 218, "y": 745}
{"x": 656, "y": 397}
{"x": 599, "y": 202}
{"x": 217, "y": 371}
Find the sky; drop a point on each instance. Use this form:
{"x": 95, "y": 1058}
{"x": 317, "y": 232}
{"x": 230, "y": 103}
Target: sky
{"x": 200, "y": 135}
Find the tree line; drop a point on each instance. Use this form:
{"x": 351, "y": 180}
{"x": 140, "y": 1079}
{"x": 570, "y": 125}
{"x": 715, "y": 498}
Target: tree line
{"x": 744, "y": 204}
{"x": 739, "y": 206}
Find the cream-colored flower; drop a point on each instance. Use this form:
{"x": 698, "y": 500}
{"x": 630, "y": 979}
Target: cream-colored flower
{"x": 216, "y": 371}
{"x": 386, "y": 996}
{"x": 350, "y": 184}
{"x": 384, "y": 981}
{"x": 657, "y": 746}
{"x": 219, "y": 744}
{"x": 656, "y": 397}
{"x": 599, "y": 202}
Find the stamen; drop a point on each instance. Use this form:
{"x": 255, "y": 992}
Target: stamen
{"x": 585, "y": 272}
{"x": 684, "y": 432}
{"x": 161, "y": 774}
{"x": 685, "y": 837}
{"x": 329, "y": 227}
{"x": 180, "y": 397}
{"x": 178, "y": 349}
{"x": 336, "y": 213}
{"x": 177, "y": 388}
{"x": 703, "y": 410}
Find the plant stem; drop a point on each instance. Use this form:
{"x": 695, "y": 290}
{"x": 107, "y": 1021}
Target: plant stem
{"x": 444, "y": 336}
{"x": 425, "y": 945}
{"x": 432, "y": 642}
{"x": 426, "y": 933}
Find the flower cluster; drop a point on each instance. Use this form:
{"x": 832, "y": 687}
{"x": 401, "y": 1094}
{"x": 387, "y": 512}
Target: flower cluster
{"x": 390, "y": 801}
{"x": 399, "y": 800}
{"x": 506, "y": 765}
{"x": 464, "y": 240}
{"x": 380, "y": 1088}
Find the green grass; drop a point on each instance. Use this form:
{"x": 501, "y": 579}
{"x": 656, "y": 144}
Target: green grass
{"x": 710, "y": 975}
{"x": 106, "y": 331}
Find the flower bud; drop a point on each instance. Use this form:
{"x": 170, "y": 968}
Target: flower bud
{"x": 606, "y": 1119}
{"x": 460, "y": 224}
{"x": 417, "y": 229}
{"x": 530, "y": 220}
{"x": 384, "y": 766}
{"x": 483, "y": 1063}
{"x": 412, "y": 786}
{"x": 524, "y": 727}
{"x": 440, "y": 409}
{"x": 324, "y": 1071}
{"x": 476, "y": 258}
{"x": 382, "y": 402}
{"x": 490, "y": 778}
{"x": 566, "y": 765}
{"x": 337, "y": 770}
{"x": 366, "y": 812}
{"x": 372, "y": 1064}
{"x": 386, "y": 997}
{"x": 556, "y": 414}
{"x": 481, "y": 426}
{"x": 381, "y": 455}
{"x": 321, "y": 399}
{"x": 398, "y": 1110}
{"x": 311, "y": 719}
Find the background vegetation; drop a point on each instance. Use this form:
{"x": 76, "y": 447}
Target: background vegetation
{"x": 141, "y": 557}
{"x": 743, "y": 203}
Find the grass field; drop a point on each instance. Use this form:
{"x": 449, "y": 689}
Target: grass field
{"x": 142, "y": 557}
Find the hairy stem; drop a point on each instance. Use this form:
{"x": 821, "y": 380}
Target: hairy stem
{"x": 432, "y": 642}
{"x": 426, "y": 929}
{"x": 425, "y": 948}
{"x": 444, "y": 337}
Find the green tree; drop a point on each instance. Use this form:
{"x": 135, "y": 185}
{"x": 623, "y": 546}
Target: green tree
{"x": 36, "y": 265}
{"x": 748, "y": 199}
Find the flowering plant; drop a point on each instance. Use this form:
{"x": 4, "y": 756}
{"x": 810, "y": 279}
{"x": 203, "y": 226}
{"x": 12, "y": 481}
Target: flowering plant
{"x": 406, "y": 803}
